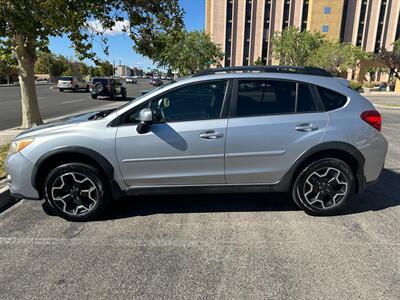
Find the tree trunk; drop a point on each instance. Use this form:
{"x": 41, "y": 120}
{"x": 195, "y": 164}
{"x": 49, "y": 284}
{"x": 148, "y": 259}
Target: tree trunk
{"x": 26, "y": 55}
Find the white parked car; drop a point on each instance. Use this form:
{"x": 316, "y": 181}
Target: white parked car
{"x": 41, "y": 81}
{"x": 72, "y": 83}
{"x": 131, "y": 80}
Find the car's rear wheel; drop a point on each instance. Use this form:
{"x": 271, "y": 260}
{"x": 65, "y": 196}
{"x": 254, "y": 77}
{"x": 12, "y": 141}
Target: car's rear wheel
{"x": 94, "y": 96}
{"x": 123, "y": 93}
{"x": 76, "y": 88}
{"x": 76, "y": 192}
{"x": 61, "y": 90}
{"x": 324, "y": 187}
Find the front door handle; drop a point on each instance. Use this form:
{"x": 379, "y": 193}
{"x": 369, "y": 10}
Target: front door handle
{"x": 306, "y": 127}
{"x": 211, "y": 135}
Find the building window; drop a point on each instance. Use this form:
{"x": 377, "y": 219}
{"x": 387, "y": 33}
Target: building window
{"x": 380, "y": 27}
{"x": 286, "y": 14}
{"x": 247, "y": 32}
{"x": 325, "y": 28}
{"x": 361, "y": 23}
{"x": 305, "y": 15}
{"x": 327, "y": 10}
{"x": 228, "y": 33}
{"x": 267, "y": 12}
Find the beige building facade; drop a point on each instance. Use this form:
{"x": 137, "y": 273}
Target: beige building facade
{"x": 245, "y": 28}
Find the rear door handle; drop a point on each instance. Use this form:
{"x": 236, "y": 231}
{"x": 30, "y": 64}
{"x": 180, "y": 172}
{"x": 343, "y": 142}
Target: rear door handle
{"x": 211, "y": 135}
{"x": 306, "y": 127}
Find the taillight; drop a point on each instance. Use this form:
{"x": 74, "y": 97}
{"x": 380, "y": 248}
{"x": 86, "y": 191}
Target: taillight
{"x": 373, "y": 118}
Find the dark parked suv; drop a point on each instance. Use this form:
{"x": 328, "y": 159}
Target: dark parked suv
{"x": 107, "y": 87}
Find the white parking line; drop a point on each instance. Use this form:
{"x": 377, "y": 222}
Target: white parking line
{"x": 3, "y": 189}
{"x": 72, "y": 101}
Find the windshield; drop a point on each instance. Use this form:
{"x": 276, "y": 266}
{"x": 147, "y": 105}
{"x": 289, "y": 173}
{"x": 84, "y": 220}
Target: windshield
{"x": 147, "y": 94}
{"x": 65, "y": 78}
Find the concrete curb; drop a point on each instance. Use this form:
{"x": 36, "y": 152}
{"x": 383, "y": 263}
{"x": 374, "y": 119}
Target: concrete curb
{"x": 385, "y": 106}
{"x": 5, "y": 199}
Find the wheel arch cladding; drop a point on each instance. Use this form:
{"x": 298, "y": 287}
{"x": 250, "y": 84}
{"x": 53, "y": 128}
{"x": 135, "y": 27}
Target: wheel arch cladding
{"x": 341, "y": 150}
{"x": 60, "y": 156}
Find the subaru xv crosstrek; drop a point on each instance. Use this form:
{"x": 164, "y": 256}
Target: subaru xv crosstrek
{"x": 246, "y": 129}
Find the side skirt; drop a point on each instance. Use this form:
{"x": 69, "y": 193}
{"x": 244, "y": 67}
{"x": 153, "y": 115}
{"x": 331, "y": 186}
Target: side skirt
{"x": 203, "y": 189}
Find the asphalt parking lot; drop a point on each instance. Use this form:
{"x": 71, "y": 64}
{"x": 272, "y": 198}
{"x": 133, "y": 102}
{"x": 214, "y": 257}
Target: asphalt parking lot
{"x": 254, "y": 246}
{"x": 54, "y": 104}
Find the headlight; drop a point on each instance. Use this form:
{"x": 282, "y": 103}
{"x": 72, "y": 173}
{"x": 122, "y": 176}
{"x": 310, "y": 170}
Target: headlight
{"x": 17, "y": 146}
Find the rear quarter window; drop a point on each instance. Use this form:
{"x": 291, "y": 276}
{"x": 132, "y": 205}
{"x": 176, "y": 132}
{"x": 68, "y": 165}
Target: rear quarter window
{"x": 331, "y": 100}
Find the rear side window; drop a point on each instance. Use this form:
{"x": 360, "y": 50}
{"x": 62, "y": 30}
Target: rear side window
{"x": 264, "y": 97}
{"x": 305, "y": 99}
{"x": 331, "y": 99}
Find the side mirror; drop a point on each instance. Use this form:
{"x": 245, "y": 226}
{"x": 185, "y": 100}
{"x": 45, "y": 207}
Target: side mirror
{"x": 146, "y": 118}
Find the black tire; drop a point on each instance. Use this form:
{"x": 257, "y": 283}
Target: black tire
{"x": 324, "y": 187}
{"x": 123, "y": 94}
{"x": 112, "y": 95}
{"x": 61, "y": 90}
{"x": 76, "y": 88}
{"x": 94, "y": 96}
{"x": 76, "y": 192}
{"x": 87, "y": 88}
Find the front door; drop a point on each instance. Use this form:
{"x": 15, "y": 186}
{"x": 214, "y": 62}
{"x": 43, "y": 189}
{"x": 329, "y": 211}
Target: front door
{"x": 186, "y": 143}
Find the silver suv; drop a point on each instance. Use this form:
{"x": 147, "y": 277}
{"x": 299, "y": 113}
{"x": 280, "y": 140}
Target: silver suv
{"x": 245, "y": 129}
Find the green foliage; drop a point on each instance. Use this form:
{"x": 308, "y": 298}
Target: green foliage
{"x": 8, "y": 63}
{"x": 305, "y": 48}
{"x": 187, "y": 52}
{"x": 355, "y": 85}
{"x": 391, "y": 59}
{"x": 105, "y": 69}
{"x": 259, "y": 62}
{"x": 295, "y": 47}
{"x": 336, "y": 57}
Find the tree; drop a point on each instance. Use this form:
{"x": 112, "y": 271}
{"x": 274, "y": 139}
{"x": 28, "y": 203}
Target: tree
{"x": 295, "y": 47}
{"x": 187, "y": 52}
{"x": 25, "y": 26}
{"x": 8, "y": 63}
{"x": 391, "y": 59}
{"x": 105, "y": 69}
{"x": 336, "y": 57}
{"x": 259, "y": 62}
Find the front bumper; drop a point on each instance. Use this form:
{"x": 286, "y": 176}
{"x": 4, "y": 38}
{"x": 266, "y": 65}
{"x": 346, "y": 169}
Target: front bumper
{"x": 19, "y": 170}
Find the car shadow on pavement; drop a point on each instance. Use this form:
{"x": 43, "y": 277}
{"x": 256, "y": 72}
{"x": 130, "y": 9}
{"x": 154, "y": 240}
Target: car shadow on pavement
{"x": 382, "y": 195}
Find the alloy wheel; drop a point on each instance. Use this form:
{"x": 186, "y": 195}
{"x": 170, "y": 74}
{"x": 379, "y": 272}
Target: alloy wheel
{"x": 325, "y": 188}
{"x": 74, "y": 193}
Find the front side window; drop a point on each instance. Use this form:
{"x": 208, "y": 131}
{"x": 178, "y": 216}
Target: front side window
{"x": 200, "y": 101}
{"x": 265, "y": 97}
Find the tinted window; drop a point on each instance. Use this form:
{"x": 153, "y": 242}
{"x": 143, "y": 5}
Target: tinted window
{"x": 195, "y": 102}
{"x": 263, "y": 97}
{"x": 331, "y": 99}
{"x": 66, "y": 78}
{"x": 305, "y": 99}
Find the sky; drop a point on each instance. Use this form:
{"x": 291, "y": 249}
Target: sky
{"x": 120, "y": 45}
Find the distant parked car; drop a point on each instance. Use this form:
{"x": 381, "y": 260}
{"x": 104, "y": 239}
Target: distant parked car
{"x": 163, "y": 78}
{"x": 169, "y": 78}
{"x": 156, "y": 82}
{"x": 131, "y": 80}
{"x": 107, "y": 87}
{"x": 41, "y": 81}
{"x": 72, "y": 83}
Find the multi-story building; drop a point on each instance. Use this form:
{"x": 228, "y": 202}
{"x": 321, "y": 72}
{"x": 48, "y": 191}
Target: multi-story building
{"x": 122, "y": 71}
{"x": 245, "y": 28}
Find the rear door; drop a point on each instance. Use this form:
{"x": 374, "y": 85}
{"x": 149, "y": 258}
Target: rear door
{"x": 271, "y": 123}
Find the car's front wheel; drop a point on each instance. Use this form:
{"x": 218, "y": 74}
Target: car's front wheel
{"x": 75, "y": 191}
{"x": 324, "y": 187}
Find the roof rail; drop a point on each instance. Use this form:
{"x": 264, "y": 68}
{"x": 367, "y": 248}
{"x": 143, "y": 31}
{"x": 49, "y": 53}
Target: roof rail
{"x": 267, "y": 69}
